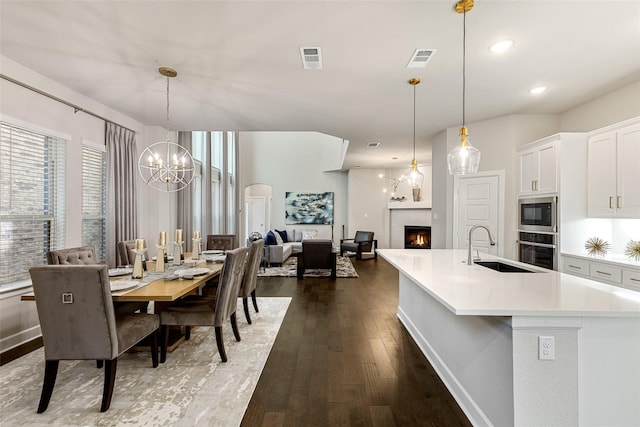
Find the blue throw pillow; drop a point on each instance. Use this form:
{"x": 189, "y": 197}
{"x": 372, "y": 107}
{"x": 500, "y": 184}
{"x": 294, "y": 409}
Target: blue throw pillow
{"x": 282, "y": 234}
{"x": 270, "y": 239}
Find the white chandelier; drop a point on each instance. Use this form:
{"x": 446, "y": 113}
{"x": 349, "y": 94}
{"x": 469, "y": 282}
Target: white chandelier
{"x": 166, "y": 166}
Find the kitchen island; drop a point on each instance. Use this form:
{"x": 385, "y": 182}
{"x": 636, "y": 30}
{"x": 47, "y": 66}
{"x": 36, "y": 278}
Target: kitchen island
{"x": 481, "y": 329}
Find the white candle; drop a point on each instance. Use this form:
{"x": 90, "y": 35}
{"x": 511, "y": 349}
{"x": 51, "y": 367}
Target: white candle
{"x": 196, "y": 234}
{"x": 139, "y": 244}
{"x": 179, "y": 235}
{"x": 162, "y": 238}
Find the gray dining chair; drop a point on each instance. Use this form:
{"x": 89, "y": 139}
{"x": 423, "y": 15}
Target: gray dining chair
{"x": 78, "y": 322}
{"x": 224, "y": 242}
{"x": 202, "y": 310}
{"x": 250, "y": 277}
{"x": 86, "y": 255}
{"x": 127, "y": 253}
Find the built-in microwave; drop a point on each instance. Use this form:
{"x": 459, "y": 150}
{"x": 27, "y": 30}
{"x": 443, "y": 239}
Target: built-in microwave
{"x": 537, "y": 214}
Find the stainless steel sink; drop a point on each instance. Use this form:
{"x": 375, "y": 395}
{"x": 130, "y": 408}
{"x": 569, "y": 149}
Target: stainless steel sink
{"x": 502, "y": 267}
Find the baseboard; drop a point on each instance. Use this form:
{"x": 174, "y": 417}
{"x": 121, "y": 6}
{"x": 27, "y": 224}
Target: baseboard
{"x": 20, "y": 350}
{"x": 468, "y": 405}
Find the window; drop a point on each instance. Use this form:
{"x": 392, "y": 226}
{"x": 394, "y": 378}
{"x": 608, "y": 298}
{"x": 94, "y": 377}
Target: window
{"x": 32, "y": 209}
{"x": 231, "y": 183}
{"x": 196, "y": 208}
{"x": 94, "y": 221}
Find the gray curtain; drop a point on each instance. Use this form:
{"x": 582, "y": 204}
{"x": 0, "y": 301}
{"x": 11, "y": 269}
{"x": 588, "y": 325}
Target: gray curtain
{"x": 122, "y": 178}
{"x": 185, "y": 200}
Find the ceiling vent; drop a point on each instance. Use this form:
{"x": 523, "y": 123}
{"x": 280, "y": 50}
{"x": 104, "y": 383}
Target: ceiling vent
{"x": 421, "y": 58}
{"x": 311, "y": 58}
{"x": 373, "y": 144}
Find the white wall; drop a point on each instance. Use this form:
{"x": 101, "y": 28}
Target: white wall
{"x": 19, "y": 320}
{"x": 294, "y": 161}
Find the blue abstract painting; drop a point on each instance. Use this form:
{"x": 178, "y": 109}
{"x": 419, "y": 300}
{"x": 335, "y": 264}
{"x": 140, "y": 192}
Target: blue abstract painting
{"x": 308, "y": 208}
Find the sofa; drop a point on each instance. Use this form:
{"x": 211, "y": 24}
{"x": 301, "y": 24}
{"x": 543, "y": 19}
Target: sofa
{"x": 282, "y": 244}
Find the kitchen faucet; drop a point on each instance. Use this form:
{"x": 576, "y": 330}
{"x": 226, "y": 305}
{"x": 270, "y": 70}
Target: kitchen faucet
{"x": 491, "y": 240}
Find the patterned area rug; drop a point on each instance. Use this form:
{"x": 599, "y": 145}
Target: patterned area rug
{"x": 193, "y": 388}
{"x": 345, "y": 269}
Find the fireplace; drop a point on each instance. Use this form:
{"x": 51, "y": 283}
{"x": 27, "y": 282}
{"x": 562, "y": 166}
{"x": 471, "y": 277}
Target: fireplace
{"x": 417, "y": 237}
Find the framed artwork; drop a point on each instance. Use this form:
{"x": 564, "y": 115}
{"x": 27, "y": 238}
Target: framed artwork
{"x": 308, "y": 208}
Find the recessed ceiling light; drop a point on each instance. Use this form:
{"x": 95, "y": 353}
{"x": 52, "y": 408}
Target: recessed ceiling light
{"x": 537, "y": 90}
{"x": 501, "y": 46}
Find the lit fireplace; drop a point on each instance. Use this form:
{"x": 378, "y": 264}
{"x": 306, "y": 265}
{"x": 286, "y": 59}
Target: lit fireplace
{"x": 417, "y": 237}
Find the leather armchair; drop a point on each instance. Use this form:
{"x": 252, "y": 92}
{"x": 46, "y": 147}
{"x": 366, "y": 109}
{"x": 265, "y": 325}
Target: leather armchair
{"x": 362, "y": 242}
{"x": 316, "y": 253}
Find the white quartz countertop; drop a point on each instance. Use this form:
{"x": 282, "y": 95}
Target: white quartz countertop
{"x": 477, "y": 290}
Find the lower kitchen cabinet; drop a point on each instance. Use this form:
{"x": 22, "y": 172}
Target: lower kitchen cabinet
{"x": 605, "y": 271}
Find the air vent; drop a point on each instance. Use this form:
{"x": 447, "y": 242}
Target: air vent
{"x": 373, "y": 144}
{"x": 311, "y": 58}
{"x": 421, "y": 58}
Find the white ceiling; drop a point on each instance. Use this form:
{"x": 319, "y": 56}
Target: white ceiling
{"x": 239, "y": 65}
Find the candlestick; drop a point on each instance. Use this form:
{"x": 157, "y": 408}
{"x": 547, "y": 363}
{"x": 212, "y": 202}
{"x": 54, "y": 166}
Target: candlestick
{"x": 162, "y": 238}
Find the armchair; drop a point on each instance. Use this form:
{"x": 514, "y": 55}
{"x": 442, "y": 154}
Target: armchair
{"x": 362, "y": 242}
{"x": 316, "y": 253}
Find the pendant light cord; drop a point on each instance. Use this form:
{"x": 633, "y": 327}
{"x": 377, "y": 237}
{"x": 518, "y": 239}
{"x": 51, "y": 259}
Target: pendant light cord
{"x": 168, "y": 108}
{"x": 464, "y": 65}
{"x": 414, "y": 122}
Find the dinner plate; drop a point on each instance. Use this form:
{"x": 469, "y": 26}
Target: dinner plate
{"x": 122, "y": 271}
{"x": 196, "y": 271}
{"x": 212, "y": 252}
{"x": 123, "y": 285}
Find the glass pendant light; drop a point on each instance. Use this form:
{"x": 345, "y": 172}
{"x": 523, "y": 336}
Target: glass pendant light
{"x": 465, "y": 158}
{"x": 416, "y": 178}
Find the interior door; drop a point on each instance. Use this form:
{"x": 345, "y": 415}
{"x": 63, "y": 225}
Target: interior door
{"x": 256, "y": 214}
{"x": 478, "y": 199}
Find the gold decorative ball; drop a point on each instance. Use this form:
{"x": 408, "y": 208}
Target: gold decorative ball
{"x": 595, "y": 246}
{"x": 633, "y": 250}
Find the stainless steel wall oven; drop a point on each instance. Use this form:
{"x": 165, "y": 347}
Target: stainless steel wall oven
{"x": 539, "y": 249}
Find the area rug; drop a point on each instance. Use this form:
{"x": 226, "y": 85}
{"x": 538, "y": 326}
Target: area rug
{"x": 344, "y": 269}
{"x": 193, "y": 387}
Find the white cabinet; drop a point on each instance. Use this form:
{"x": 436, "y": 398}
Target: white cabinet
{"x": 614, "y": 172}
{"x": 612, "y": 273}
{"x": 538, "y": 168}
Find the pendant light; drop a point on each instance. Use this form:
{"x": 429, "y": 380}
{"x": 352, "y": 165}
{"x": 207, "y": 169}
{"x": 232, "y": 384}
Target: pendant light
{"x": 416, "y": 178}
{"x": 465, "y": 158}
{"x": 166, "y": 166}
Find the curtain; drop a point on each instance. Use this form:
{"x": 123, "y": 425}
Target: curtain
{"x": 122, "y": 209}
{"x": 185, "y": 200}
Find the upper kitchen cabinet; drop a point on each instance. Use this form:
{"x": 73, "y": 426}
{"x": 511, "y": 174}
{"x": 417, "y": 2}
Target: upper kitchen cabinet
{"x": 538, "y": 167}
{"x": 614, "y": 171}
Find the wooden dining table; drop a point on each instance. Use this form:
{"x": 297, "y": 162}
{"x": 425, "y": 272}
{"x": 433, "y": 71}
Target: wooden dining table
{"x": 162, "y": 293}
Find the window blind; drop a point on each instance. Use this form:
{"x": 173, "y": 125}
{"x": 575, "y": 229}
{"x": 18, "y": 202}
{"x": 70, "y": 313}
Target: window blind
{"x": 94, "y": 222}
{"x": 32, "y": 199}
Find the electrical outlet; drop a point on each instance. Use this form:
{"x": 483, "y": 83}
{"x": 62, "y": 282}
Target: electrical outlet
{"x": 546, "y": 348}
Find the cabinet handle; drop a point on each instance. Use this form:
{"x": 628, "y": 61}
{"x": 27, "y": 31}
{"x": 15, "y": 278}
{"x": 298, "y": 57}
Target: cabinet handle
{"x": 618, "y": 200}
{"x": 537, "y": 187}
{"x": 533, "y": 186}
{"x": 610, "y": 202}
{"x": 575, "y": 266}
{"x": 603, "y": 272}
{"x": 634, "y": 279}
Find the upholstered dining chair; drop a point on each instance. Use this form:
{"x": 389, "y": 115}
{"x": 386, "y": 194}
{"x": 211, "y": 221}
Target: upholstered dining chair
{"x": 86, "y": 255}
{"x": 203, "y": 310}
{"x": 224, "y": 242}
{"x": 127, "y": 253}
{"x": 362, "y": 242}
{"x": 78, "y": 322}
{"x": 316, "y": 253}
{"x": 250, "y": 277}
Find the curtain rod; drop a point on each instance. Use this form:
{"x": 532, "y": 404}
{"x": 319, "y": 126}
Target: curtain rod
{"x": 62, "y": 101}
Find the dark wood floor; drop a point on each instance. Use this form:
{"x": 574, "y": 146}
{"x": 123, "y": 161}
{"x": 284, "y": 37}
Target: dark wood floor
{"x": 342, "y": 358}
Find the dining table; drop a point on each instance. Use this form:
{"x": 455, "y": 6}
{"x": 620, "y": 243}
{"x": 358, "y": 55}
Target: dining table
{"x": 162, "y": 288}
